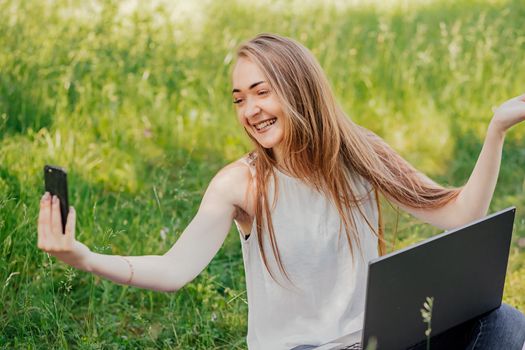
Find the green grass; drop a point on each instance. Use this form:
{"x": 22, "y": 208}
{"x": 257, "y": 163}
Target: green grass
{"x": 136, "y": 106}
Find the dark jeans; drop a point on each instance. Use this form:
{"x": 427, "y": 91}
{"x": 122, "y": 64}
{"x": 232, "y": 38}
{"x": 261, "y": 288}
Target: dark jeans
{"x": 502, "y": 328}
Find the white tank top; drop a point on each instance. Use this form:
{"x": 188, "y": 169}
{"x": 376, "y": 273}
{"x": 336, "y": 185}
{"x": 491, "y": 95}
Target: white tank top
{"x": 328, "y": 300}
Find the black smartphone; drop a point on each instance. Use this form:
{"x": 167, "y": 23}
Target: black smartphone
{"x": 55, "y": 179}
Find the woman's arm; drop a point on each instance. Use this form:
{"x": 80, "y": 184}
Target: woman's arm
{"x": 192, "y": 252}
{"x": 474, "y": 199}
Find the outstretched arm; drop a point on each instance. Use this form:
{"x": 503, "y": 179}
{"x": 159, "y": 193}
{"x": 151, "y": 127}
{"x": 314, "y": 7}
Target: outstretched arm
{"x": 192, "y": 252}
{"x": 474, "y": 199}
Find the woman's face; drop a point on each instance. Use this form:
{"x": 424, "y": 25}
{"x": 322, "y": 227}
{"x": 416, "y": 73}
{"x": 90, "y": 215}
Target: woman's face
{"x": 257, "y": 106}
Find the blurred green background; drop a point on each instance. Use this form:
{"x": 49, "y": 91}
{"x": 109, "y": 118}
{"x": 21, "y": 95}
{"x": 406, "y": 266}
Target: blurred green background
{"x": 134, "y": 100}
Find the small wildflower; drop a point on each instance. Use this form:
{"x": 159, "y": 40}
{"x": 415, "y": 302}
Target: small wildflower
{"x": 426, "y": 313}
{"x": 163, "y": 232}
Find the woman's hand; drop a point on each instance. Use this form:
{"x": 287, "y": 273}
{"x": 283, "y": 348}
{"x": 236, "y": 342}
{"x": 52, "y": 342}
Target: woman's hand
{"x": 508, "y": 114}
{"x": 53, "y": 241}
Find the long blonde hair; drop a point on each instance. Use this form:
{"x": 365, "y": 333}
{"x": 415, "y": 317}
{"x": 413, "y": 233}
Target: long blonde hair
{"x": 323, "y": 147}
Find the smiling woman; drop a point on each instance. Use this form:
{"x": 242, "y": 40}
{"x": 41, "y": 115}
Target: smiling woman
{"x": 258, "y": 109}
{"x": 308, "y": 193}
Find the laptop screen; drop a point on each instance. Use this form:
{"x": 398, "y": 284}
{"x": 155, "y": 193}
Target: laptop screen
{"x": 462, "y": 271}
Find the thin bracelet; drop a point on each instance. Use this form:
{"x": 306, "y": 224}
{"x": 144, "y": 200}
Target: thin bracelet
{"x": 131, "y": 269}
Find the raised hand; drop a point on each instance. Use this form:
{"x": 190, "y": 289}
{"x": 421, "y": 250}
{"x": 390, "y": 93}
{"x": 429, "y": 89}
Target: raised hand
{"x": 509, "y": 113}
{"x": 63, "y": 246}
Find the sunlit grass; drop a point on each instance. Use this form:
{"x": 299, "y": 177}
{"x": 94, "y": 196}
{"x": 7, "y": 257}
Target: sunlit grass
{"x": 133, "y": 99}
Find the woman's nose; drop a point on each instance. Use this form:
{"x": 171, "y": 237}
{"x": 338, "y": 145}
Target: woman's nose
{"x": 251, "y": 109}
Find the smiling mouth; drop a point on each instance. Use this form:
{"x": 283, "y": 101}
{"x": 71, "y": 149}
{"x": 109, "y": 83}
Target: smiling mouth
{"x": 264, "y": 124}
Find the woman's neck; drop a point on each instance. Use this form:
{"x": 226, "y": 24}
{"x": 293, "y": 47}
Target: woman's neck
{"x": 279, "y": 158}
{"x": 278, "y": 154}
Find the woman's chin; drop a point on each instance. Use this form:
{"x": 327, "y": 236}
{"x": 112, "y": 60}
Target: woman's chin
{"x": 268, "y": 143}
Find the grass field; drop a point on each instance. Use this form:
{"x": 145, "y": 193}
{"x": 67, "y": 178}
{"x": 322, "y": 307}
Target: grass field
{"x": 134, "y": 100}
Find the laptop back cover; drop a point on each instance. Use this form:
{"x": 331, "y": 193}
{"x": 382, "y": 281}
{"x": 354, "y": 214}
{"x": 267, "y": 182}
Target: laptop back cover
{"x": 463, "y": 270}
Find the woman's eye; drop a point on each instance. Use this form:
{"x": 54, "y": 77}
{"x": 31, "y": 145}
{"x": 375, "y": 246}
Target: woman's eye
{"x": 263, "y": 92}
{"x": 239, "y": 100}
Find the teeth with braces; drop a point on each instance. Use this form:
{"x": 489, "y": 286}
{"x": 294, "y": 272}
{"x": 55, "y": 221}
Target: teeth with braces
{"x": 265, "y": 124}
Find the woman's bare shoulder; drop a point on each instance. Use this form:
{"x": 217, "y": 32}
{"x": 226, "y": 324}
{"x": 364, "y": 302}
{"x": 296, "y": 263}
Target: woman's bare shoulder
{"x": 234, "y": 179}
{"x": 237, "y": 170}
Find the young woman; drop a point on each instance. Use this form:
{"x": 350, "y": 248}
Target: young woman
{"x": 305, "y": 202}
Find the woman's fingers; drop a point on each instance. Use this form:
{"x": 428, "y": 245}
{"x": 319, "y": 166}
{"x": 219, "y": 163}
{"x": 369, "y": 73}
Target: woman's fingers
{"x": 70, "y": 224}
{"x": 56, "y": 218}
{"x": 44, "y": 220}
{"x": 50, "y": 236}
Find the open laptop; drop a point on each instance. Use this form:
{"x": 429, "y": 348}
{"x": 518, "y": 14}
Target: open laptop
{"x": 463, "y": 270}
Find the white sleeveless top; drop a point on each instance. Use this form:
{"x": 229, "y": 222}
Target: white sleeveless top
{"x": 328, "y": 299}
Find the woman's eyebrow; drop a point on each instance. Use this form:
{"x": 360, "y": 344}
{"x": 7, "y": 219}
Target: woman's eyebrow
{"x": 251, "y": 86}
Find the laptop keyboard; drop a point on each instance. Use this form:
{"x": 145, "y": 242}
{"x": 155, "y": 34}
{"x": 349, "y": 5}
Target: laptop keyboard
{"x": 355, "y": 346}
